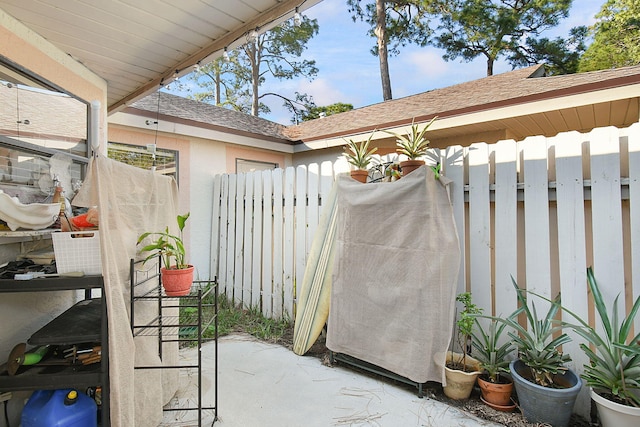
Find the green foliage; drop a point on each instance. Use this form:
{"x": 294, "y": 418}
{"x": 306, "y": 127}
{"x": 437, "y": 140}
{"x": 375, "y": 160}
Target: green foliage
{"x": 465, "y": 324}
{"x": 488, "y": 351}
{"x": 413, "y": 144}
{"x": 614, "y": 353}
{"x": 275, "y": 54}
{"x": 405, "y": 22}
{"x": 560, "y": 56}
{"x": 616, "y": 37}
{"x": 472, "y": 28}
{"x": 235, "y": 319}
{"x": 358, "y": 154}
{"x": 538, "y": 345}
{"x": 328, "y": 110}
{"x": 169, "y": 245}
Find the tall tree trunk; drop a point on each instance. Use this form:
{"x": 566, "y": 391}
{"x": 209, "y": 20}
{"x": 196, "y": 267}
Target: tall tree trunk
{"x": 489, "y": 67}
{"x": 383, "y": 55}
{"x": 255, "y": 78}
{"x": 218, "y": 84}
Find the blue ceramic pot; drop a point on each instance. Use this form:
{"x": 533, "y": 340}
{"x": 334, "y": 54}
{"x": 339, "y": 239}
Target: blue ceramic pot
{"x": 544, "y": 404}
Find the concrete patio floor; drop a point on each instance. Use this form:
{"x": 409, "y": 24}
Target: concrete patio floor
{"x": 262, "y": 384}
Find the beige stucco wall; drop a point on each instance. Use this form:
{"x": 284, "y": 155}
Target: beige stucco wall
{"x": 24, "y": 313}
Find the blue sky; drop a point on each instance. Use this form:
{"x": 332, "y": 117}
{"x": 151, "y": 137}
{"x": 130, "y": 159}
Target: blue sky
{"x": 349, "y": 73}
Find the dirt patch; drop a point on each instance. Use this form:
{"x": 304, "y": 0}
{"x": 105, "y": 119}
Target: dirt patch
{"x": 473, "y": 405}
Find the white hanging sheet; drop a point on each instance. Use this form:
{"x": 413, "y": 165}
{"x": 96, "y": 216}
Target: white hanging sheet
{"x": 131, "y": 201}
{"x": 395, "y": 274}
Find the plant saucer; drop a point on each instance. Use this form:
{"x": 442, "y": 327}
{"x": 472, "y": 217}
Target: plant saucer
{"x": 503, "y": 408}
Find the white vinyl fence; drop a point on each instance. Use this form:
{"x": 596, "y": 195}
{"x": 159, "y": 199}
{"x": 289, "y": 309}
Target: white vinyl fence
{"x": 539, "y": 210}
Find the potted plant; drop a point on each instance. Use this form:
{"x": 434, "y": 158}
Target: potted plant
{"x": 495, "y": 386}
{"x": 461, "y": 370}
{"x": 541, "y": 379}
{"x": 359, "y": 155}
{"x": 177, "y": 277}
{"x": 413, "y": 145}
{"x": 614, "y": 354}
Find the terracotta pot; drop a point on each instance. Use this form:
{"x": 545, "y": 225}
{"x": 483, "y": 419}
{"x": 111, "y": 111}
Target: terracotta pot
{"x": 460, "y": 383}
{"x": 613, "y": 414}
{"x": 360, "y": 175}
{"x": 409, "y": 166}
{"x": 177, "y": 282}
{"x": 497, "y": 395}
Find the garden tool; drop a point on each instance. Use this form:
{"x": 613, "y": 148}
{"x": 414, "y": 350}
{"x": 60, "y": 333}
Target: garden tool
{"x": 18, "y": 357}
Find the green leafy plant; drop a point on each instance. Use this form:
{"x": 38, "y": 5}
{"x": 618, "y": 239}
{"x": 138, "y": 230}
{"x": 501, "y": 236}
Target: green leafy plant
{"x": 465, "y": 324}
{"x": 359, "y": 154}
{"x": 614, "y": 354}
{"x": 170, "y": 246}
{"x": 413, "y": 144}
{"x": 489, "y": 352}
{"x": 537, "y": 347}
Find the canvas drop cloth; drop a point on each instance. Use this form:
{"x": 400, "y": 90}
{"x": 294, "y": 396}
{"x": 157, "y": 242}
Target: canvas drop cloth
{"x": 131, "y": 201}
{"x": 395, "y": 274}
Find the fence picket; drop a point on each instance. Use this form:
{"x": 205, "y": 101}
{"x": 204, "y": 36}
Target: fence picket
{"x": 239, "y": 236}
{"x": 247, "y": 270}
{"x": 256, "y": 285}
{"x": 215, "y": 226}
{"x": 267, "y": 244}
{"x": 536, "y": 220}
{"x": 453, "y": 167}
{"x": 479, "y": 227}
{"x": 506, "y": 227}
{"x": 634, "y": 211}
{"x": 288, "y": 261}
{"x": 222, "y": 244}
{"x": 277, "y": 244}
{"x": 313, "y": 187}
{"x": 300, "y": 244}
{"x": 572, "y": 261}
{"x": 231, "y": 240}
{"x": 606, "y": 213}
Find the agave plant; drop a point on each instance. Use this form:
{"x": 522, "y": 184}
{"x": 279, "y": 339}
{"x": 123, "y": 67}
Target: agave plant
{"x": 413, "y": 144}
{"x": 614, "y": 354}
{"x": 537, "y": 347}
{"x": 488, "y": 350}
{"x": 359, "y": 154}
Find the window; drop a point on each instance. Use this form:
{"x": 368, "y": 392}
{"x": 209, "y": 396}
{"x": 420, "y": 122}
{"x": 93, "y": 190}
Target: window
{"x": 165, "y": 162}
{"x": 43, "y": 135}
{"x": 243, "y": 165}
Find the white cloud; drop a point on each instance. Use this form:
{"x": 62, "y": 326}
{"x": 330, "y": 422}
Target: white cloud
{"x": 323, "y": 91}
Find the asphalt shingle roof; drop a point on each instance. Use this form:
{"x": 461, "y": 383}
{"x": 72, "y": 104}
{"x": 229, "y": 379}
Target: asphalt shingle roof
{"x": 509, "y": 88}
{"x": 188, "y": 109}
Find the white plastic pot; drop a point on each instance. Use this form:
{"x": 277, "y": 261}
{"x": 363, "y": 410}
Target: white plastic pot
{"x": 613, "y": 414}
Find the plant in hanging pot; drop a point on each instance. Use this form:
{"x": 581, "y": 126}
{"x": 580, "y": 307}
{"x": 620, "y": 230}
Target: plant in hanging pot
{"x": 414, "y": 145}
{"x": 177, "y": 277}
{"x": 359, "y": 155}
{"x": 614, "y": 354}
{"x": 461, "y": 370}
{"x": 492, "y": 352}
{"x": 546, "y": 388}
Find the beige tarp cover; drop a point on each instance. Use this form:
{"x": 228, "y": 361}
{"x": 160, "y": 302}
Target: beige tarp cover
{"x": 395, "y": 274}
{"x": 131, "y": 201}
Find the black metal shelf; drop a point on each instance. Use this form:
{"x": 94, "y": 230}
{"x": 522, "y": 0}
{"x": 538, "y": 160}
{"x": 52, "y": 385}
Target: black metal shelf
{"x": 183, "y": 319}
{"x": 84, "y": 322}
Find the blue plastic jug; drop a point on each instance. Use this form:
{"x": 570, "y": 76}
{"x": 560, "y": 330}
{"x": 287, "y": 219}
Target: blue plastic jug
{"x": 60, "y": 408}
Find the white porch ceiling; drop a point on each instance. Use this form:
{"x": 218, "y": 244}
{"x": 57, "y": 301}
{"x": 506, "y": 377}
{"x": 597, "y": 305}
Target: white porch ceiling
{"x": 135, "y": 44}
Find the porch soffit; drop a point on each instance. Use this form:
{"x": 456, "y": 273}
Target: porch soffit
{"x": 134, "y": 45}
